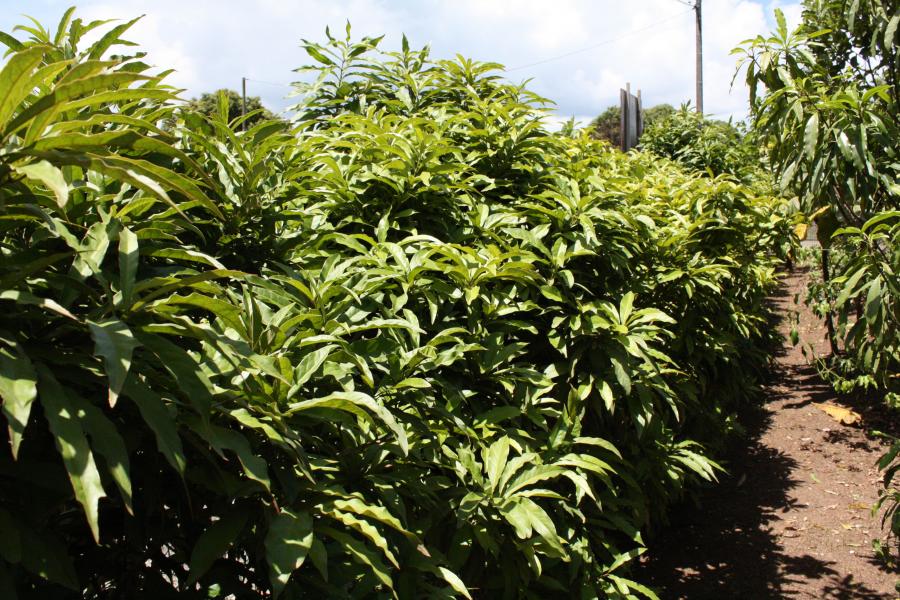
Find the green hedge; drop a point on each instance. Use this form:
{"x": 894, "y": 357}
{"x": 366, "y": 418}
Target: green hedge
{"x": 411, "y": 345}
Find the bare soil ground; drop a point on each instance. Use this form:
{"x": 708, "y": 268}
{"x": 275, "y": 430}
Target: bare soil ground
{"x": 793, "y": 517}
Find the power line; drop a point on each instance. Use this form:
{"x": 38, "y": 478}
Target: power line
{"x": 599, "y": 44}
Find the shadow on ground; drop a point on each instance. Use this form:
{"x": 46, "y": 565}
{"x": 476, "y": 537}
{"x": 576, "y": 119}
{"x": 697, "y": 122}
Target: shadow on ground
{"x": 722, "y": 545}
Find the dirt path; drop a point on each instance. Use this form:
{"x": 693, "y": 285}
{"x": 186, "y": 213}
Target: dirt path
{"x": 793, "y": 518}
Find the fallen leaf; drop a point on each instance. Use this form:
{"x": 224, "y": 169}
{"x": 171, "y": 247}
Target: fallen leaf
{"x": 839, "y": 413}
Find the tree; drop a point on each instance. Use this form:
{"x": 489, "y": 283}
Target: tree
{"x": 208, "y": 104}
{"x": 702, "y": 144}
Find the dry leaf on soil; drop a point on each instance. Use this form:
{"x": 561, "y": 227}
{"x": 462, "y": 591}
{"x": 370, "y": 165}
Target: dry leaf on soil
{"x": 839, "y": 413}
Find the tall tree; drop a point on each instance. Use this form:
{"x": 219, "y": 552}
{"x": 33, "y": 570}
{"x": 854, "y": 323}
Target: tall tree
{"x": 208, "y": 104}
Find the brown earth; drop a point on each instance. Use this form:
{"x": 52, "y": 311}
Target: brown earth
{"x": 793, "y": 518}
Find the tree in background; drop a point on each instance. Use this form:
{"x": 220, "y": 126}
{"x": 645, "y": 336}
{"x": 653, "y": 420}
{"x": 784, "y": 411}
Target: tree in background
{"x": 607, "y": 127}
{"x": 208, "y": 104}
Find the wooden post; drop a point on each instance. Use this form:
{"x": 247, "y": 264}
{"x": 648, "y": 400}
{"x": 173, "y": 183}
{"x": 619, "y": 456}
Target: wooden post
{"x": 640, "y": 117}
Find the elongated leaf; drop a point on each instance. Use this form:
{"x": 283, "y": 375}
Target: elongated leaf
{"x": 378, "y": 513}
{"x": 811, "y": 135}
{"x": 113, "y": 342}
{"x": 18, "y": 389}
{"x": 214, "y": 542}
{"x": 15, "y": 73}
{"x": 368, "y": 531}
{"x": 110, "y": 38}
{"x": 355, "y": 402}
{"x": 160, "y": 422}
{"x": 288, "y": 540}
{"x": 192, "y": 381}
{"x": 46, "y": 556}
{"x": 128, "y": 264}
{"x": 308, "y": 366}
{"x": 542, "y": 524}
{"x": 361, "y": 554}
{"x": 108, "y": 443}
{"x": 73, "y": 446}
{"x": 223, "y": 439}
{"x": 455, "y": 582}
{"x": 50, "y": 176}
{"x": 46, "y": 303}
{"x": 495, "y": 460}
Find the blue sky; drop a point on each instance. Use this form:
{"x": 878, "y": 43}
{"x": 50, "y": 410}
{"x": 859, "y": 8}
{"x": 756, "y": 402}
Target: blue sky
{"x": 650, "y": 43}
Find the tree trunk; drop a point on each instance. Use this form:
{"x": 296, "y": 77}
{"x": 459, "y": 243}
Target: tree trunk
{"x": 829, "y": 320}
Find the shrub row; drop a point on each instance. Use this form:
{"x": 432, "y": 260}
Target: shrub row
{"x": 410, "y": 345}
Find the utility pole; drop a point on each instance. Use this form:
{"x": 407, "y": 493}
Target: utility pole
{"x": 698, "y": 11}
{"x": 244, "y": 103}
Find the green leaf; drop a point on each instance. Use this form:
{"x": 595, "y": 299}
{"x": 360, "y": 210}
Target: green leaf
{"x": 18, "y": 389}
{"x": 455, "y": 582}
{"x": 781, "y": 23}
{"x": 113, "y": 342}
{"x": 849, "y": 288}
{"x": 45, "y": 555}
{"x": 214, "y": 542}
{"x": 287, "y": 543}
{"x": 108, "y": 443}
{"x": 372, "y": 511}
{"x": 16, "y": 72}
{"x": 361, "y": 554}
{"x": 621, "y": 374}
{"x": 891, "y": 31}
{"x": 46, "y": 303}
{"x": 72, "y": 444}
{"x": 63, "y": 25}
{"x": 129, "y": 258}
{"x": 354, "y": 402}
{"x": 873, "y": 300}
{"x": 110, "y": 38}
{"x": 254, "y": 466}
{"x": 811, "y": 135}
{"x": 369, "y": 531}
{"x": 494, "y": 459}
{"x": 50, "y": 176}
{"x": 191, "y": 379}
{"x": 92, "y": 250}
{"x": 160, "y": 422}
{"x": 308, "y": 366}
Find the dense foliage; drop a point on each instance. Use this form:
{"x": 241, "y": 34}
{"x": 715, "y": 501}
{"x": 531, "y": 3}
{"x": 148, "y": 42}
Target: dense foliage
{"x": 827, "y": 99}
{"x": 704, "y": 144}
{"x": 411, "y": 346}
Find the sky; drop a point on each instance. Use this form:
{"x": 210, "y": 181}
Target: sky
{"x": 578, "y": 53}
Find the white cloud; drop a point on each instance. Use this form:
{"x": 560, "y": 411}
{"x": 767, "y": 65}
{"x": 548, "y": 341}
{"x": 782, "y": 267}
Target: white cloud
{"x": 213, "y": 43}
